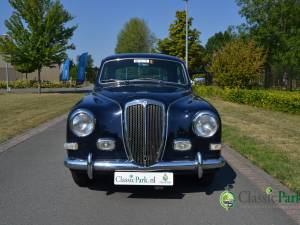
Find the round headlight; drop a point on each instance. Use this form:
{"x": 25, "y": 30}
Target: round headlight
{"x": 205, "y": 124}
{"x": 82, "y": 123}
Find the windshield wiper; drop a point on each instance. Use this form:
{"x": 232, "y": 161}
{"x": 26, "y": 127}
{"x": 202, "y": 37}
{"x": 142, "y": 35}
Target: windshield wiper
{"x": 110, "y": 80}
{"x": 146, "y": 78}
{"x": 155, "y": 80}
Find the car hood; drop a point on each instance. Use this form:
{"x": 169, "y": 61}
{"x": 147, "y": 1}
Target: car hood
{"x": 163, "y": 93}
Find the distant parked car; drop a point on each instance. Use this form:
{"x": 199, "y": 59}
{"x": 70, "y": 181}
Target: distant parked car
{"x": 143, "y": 124}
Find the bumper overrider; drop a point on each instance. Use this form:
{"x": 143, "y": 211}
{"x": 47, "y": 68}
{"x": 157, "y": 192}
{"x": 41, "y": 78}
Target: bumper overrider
{"x": 197, "y": 165}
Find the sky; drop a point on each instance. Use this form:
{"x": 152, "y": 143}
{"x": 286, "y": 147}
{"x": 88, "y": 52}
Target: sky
{"x": 99, "y": 21}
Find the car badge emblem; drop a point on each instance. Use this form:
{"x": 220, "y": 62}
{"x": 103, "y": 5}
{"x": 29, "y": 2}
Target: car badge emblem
{"x": 165, "y": 177}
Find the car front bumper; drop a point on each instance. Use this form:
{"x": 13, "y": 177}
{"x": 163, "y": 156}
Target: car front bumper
{"x": 90, "y": 166}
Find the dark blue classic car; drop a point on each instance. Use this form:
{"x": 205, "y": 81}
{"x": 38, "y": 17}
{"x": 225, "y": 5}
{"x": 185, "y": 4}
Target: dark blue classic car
{"x": 143, "y": 124}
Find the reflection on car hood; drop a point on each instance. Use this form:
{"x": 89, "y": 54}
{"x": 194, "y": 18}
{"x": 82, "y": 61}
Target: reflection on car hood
{"x": 163, "y": 93}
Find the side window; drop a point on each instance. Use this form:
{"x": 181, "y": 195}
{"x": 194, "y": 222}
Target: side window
{"x": 180, "y": 75}
{"x": 105, "y": 74}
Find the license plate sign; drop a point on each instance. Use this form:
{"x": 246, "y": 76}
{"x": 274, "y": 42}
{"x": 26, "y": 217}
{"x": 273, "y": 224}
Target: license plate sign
{"x": 144, "y": 178}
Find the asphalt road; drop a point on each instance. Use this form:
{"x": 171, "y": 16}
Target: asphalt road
{"x": 36, "y": 189}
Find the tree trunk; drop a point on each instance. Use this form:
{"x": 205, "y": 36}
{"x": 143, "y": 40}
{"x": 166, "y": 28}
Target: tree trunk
{"x": 26, "y": 76}
{"x": 291, "y": 81}
{"x": 268, "y": 74}
{"x": 39, "y": 81}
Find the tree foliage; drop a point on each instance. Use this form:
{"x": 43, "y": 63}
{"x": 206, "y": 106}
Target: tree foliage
{"x": 219, "y": 40}
{"x": 275, "y": 25}
{"x": 174, "y": 44}
{"x": 91, "y": 70}
{"x": 239, "y": 64}
{"x": 37, "y": 35}
{"x": 135, "y": 37}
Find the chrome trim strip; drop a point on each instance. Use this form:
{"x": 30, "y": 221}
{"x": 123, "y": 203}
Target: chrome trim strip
{"x": 200, "y": 162}
{"x": 124, "y": 165}
{"x": 75, "y": 164}
{"x": 90, "y": 166}
{"x": 146, "y": 102}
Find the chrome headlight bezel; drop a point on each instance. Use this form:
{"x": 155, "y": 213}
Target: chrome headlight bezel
{"x": 91, "y": 123}
{"x": 213, "y": 119}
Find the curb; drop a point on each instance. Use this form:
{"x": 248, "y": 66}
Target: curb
{"x": 261, "y": 179}
{"x": 30, "y": 133}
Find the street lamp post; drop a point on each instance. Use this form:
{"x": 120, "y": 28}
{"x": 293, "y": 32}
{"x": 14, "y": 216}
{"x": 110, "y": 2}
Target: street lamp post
{"x": 6, "y": 69}
{"x": 7, "y": 78}
{"x": 186, "y": 33}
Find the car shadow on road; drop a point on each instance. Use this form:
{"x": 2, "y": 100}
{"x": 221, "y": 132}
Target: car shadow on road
{"x": 182, "y": 185}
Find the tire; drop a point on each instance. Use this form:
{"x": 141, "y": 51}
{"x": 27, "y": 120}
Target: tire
{"x": 207, "y": 178}
{"x": 80, "y": 178}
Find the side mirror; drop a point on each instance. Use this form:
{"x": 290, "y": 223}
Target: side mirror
{"x": 199, "y": 80}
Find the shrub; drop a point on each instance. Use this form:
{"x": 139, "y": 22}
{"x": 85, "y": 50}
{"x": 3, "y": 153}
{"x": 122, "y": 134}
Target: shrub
{"x": 238, "y": 65}
{"x": 276, "y": 100}
{"x": 34, "y": 84}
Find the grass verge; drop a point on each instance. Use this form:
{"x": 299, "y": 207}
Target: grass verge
{"x": 20, "y": 112}
{"x": 269, "y": 139}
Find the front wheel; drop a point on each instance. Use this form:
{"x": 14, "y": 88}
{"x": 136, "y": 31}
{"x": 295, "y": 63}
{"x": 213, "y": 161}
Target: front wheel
{"x": 80, "y": 178}
{"x": 207, "y": 178}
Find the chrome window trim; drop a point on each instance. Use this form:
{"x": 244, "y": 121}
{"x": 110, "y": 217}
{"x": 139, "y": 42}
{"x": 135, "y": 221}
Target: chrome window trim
{"x": 201, "y": 113}
{"x": 186, "y": 77}
{"x": 146, "y": 102}
{"x": 78, "y": 111}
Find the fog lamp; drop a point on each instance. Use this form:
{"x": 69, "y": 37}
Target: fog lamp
{"x": 182, "y": 145}
{"x": 106, "y": 144}
{"x": 215, "y": 147}
{"x": 71, "y": 146}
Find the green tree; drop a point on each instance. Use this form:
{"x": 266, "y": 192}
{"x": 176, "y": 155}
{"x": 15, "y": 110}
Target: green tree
{"x": 219, "y": 40}
{"x": 135, "y": 37}
{"x": 25, "y": 68}
{"x": 37, "y": 34}
{"x": 238, "y": 65}
{"x": 73, "y": 71}
{"x": 91, "y": 70}
{"x": 174, "y": 44}
{"x": 275, "y": 25}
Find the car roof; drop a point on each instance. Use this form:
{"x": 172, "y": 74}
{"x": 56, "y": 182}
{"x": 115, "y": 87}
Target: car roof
{"x": 142, "y": 55}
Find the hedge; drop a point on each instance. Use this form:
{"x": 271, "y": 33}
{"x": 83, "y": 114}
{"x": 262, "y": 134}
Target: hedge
{"x": 276, "y": 100}
{"x": 34, "y": 84}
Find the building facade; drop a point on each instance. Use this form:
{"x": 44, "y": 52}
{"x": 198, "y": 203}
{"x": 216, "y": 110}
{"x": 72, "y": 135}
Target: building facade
{"x": 50, "y": 74}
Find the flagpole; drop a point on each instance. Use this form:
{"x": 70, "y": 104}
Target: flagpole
{"x": 186, "y": 33}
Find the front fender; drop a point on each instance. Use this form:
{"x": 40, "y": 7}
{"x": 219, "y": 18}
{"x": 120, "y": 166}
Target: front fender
{"x": 108, "y": 116}
{"x": 180, "y": 121}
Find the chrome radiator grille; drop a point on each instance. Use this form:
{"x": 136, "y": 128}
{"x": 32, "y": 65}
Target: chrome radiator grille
{"x": 144, "y": 121}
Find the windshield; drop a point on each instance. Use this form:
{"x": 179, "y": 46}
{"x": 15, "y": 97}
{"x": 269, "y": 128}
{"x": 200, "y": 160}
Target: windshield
{"x": 143, "y": 69}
